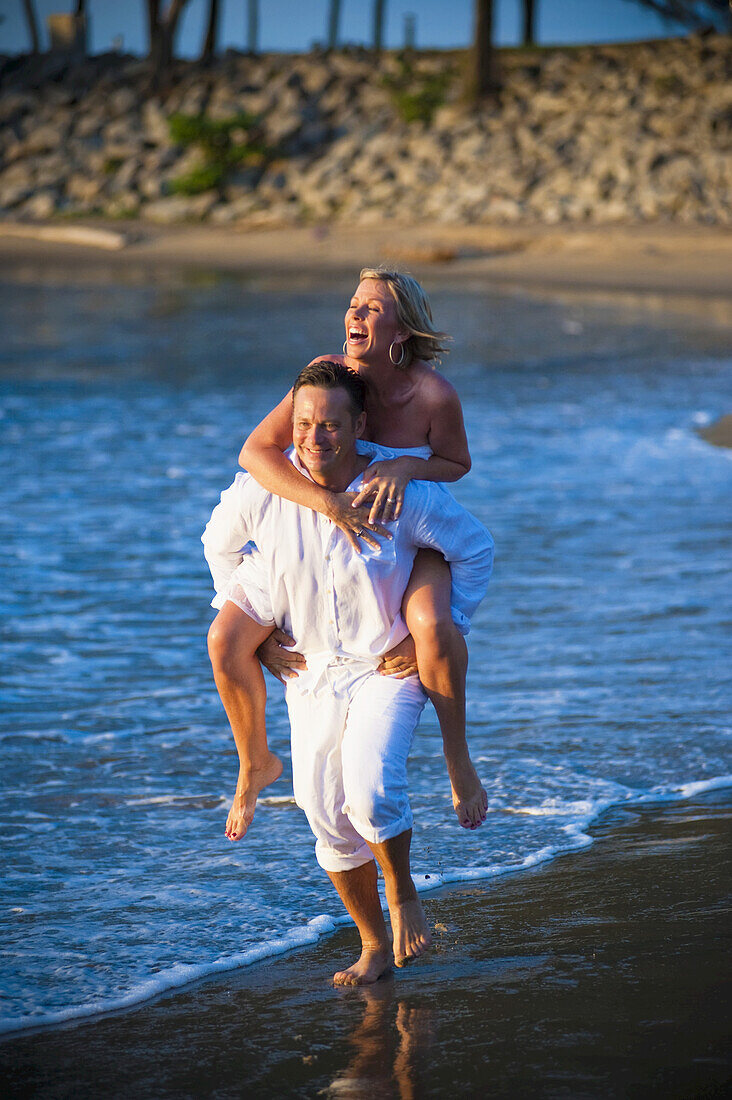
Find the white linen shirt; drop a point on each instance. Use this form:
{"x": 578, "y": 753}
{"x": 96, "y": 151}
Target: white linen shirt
{"x": 335, "y": 602}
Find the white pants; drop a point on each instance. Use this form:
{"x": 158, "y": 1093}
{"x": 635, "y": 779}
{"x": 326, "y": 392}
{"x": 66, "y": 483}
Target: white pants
{"x": 350, "y": 743}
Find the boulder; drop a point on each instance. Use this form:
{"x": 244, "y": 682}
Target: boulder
{"x": 40, "y": 206}
{"x": 179, "y": 208}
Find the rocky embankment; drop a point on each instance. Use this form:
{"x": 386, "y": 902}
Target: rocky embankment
{"x": 628, "y": 133}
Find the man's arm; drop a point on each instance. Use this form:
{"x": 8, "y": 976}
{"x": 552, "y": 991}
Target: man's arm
{"x": 226, "y": 535}
{"x": 442, "y": 524}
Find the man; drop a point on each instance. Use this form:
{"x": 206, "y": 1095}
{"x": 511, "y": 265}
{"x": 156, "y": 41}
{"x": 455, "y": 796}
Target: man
{"x": 351, "y": 727}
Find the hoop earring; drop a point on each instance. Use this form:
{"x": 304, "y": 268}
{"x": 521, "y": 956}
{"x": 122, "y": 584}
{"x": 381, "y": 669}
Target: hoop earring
{"x": 345, "y": 345}
{"x": 397, "y": 362}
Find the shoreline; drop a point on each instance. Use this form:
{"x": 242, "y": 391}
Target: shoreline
{"x": 680, "y": 266}
{"x": 315, "y": 931}
{"x": 570, "y": 946}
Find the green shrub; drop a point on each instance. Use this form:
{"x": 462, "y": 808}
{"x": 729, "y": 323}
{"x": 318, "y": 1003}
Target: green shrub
{"x": 417, "y": 95}
{"x": 195, "y": 182}
{"x": 225, "y": 145}
{"x": 669, "y": 84}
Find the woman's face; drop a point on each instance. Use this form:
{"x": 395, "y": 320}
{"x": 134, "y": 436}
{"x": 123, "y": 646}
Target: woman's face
{"x": 371, "y": 322}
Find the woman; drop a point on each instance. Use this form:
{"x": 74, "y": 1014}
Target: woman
{"x": 415, "y": 412}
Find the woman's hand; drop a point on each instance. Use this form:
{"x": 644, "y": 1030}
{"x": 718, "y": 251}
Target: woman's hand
{"x": 384, "y": 485}
{"x": 401, "y": 661}
{"x": 355, "y": 522}
{"x": 282, "y": 663}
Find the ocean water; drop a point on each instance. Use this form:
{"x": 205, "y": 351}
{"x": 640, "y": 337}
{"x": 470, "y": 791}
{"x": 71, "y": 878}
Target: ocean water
{"x": 599, "y": 660}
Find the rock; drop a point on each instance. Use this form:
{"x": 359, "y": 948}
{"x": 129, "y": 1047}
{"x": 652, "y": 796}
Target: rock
{"x": 155, "y": 127}
{"x": 40, "y": 206}
{"x": 720, "y": 432}
{"x": 124, "y": 178}
{"x": 180, "y": 208}
{"x": 125, "y": 205}
{"x": 83, "y": 189}
{"x": 12, "y": 194}
{"x": 42, "y": 139}
{"x": 124, "y": 102}
{"x": 50, "y": 171}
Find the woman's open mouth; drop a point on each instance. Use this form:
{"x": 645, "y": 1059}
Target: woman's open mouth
{"x": 357, "y": 336}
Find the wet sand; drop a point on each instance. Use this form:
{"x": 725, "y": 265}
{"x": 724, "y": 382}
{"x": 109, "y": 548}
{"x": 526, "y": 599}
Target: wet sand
{"x": 603, "y": 974}
{"x": 676, "y": 262}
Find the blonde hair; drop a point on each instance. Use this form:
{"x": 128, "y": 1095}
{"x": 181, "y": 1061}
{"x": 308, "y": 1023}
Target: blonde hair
{"x": 413, "y": 313}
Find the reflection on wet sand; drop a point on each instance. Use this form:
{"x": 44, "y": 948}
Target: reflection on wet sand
{"x": 389, "y": 1047}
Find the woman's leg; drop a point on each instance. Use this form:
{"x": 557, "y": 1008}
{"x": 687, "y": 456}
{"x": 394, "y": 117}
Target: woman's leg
{"x": 442, "y": 659}
{"x": 233, "y": 639}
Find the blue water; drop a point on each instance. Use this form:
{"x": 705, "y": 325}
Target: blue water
{"x": 598, "y": 661}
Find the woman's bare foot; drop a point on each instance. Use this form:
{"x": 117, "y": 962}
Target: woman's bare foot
{"x": 409, "y": 928}
{"x": 468, "y": 796}
{"x": 247, "y": 791}
{"x": 373, "y": 964}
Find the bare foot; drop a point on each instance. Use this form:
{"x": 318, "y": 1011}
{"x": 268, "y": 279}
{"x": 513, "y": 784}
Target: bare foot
{"x": 247, "y": 790}
{"x": 468, "y": 796}
{"x": 412, "y": 937}
{"x": 373, "y": 964}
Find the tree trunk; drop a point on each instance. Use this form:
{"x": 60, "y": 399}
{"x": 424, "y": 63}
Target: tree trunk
{"x": 162, "y": 30}
{"x": 483, "y": 78}
{"x": 379, "y": 10}
{"x": 30, "y": 18}
{"x": 209, "y": 46}
{"x": 529, "y": 36}
{"x": 253, "y": 26}
{"x": 153, "y": 29}
{"x": 333, "y": 21}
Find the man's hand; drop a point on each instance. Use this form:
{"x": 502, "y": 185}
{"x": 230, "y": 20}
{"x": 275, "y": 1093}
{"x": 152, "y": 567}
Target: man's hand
{"x": 282, "y": 663}
{"x": 401, "y": 661}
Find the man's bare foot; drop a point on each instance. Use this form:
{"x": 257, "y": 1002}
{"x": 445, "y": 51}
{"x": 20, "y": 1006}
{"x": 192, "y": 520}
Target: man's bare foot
{"x": 373, "y": 964}
{"x": 247, "y": 791}
{"x": 468, "y": 796}
{"x": 409, "y": 928}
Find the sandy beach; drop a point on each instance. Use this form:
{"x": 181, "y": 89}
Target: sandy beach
{"x": 679, "y": 264}
{"x": 602, "y": 974}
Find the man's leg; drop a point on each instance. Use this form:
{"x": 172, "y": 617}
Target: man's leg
{"x": 233, "y": 640}
{"x": 382, "y": 716}
{"x": 409, "y": 928}
{"x": 359, "y": 893}
{"x": 317, "y": 723}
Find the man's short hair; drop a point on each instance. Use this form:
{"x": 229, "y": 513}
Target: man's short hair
{"x": 327, "y": 375}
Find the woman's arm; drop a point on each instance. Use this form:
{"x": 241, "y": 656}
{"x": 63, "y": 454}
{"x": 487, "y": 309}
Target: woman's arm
{"x": 263, "y": 456}
{"x": 451, "y": 455}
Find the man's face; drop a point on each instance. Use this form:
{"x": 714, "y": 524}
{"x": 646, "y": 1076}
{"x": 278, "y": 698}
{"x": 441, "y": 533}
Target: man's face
{"x": 324, "y": 432}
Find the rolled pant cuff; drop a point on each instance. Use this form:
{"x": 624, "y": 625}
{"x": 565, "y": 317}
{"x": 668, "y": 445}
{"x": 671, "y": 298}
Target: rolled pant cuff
{"x": 385, "y": 832}
{"x": 335, "y": 862}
